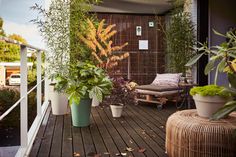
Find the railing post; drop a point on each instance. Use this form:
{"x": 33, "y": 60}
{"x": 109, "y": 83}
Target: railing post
{"x": 46, "y": 82}
{"x": 23, "y": 93}
{"x": 39, "y": 87}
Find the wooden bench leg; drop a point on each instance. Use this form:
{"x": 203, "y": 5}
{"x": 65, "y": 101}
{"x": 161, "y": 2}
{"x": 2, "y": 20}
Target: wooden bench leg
{"x": 149, "y": 97}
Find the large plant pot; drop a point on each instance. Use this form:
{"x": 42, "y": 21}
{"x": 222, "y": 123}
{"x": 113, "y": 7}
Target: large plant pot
{"x": 95, "y": 102}
{"x": 207, "y": 105}
{"x": 116, "y": 110}
{"x": 59, "y": 101}
{"x": 81, "y": 113}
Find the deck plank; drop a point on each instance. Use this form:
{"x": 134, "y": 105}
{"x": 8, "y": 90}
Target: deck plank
{"x": 39, "y": 137}
{"x": 78, "y": 144}
{"x": 110, "y": 145}
{"x": 47, "y": 138}
{"x": 89, "y": 146}
{"x": 67, "y": 150}
{"x": 97, "y": 138}
{"x": 124, "y": 134}
{"x": 57, "y": 138}
{"x": 140, "y": 127}
{"x": 114, "y": 133}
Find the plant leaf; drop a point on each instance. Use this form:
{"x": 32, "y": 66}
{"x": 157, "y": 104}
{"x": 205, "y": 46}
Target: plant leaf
{"x": 232, "y": 80}
{"x": 218, "y": 33}
{"x": 194, "y": 59}
{"x": 209, "y": 67}
{"x": 221, "y": 65}
{"x": 225, "y": 110}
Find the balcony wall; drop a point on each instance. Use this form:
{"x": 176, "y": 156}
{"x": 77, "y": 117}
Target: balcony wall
{"x": 142, "y": 64}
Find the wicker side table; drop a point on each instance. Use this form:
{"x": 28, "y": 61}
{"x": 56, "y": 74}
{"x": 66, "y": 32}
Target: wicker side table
{"x": 188, "y": 135}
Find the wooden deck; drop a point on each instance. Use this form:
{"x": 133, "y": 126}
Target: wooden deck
{"x": 141, "y": 130}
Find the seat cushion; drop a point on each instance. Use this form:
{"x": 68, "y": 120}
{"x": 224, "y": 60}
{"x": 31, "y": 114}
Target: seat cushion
{"x": 152, "y": 87}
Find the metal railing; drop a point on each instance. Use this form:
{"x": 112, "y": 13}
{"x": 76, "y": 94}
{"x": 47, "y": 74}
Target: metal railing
{"x": 27, "y": 137}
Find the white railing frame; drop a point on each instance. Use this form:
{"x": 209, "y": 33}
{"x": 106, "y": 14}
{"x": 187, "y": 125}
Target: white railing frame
{"x": 27, "y": 137}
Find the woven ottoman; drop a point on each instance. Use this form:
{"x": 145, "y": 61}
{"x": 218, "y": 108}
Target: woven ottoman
{"x": 188, "y": 135}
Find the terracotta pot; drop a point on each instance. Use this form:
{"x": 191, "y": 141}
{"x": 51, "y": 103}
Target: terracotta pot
{"x": 207, "y": 105}
{"x": 116, "y": 110}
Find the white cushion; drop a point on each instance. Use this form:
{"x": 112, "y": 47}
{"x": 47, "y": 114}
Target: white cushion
{"x": 167, "y": 79}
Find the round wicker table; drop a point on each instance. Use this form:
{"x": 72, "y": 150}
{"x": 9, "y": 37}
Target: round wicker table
{"x": 188, "y": 135}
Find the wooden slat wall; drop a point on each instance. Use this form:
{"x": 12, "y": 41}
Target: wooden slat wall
{"x": 143, "y": 64}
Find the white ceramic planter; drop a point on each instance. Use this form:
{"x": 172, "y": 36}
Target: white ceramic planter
{"x": 59, "y": 101}
{"x": 116, "y": 110}
{"x": 95, "y": 102}
{"x": 207, "y": 105}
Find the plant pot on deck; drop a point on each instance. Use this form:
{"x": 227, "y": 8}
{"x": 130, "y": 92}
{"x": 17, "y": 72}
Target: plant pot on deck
{"x": 207, "y": 105}
{"x": 81, "y": 113}
{"x": 59, "y": 101}
{"x": 116, "y": 110}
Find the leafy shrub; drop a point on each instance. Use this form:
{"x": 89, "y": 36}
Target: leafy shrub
{"x": 210, "y": 90}
{"x": 122, "y": 92}
{"x": 8, "y": 97}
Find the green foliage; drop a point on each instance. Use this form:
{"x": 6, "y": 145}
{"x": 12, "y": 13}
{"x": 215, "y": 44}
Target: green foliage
{"x": 2, "y": 33}
{"x": 9, "y": 96}
{"x": 53, "y": 25}
{"x": 210, "y": 90}
{"x": 17, "y": 38}
{"x": 79, "y": 13}
{"x": 180, "y": 39}
{"x": 84, "y": 81}
{"x": 9, "y": 52}
{"x": 32, "y": 77}
{"x": 223, "y": 58}
{"x": 229, "y": 107}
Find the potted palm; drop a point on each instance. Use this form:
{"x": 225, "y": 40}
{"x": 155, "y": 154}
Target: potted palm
{"x": 209, "y": 99}
{"x": 83, "y": 82}
{"x": 122, "y": 94}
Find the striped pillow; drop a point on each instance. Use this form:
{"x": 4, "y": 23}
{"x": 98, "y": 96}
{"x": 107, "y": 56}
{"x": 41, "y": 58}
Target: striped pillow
{"x": 168, "y": 79}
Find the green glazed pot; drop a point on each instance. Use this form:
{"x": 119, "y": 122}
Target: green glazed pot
{"x": 81, "y": 113}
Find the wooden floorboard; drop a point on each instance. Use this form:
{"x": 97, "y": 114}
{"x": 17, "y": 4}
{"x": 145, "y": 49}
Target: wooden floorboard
{"x": 140, "y": 128}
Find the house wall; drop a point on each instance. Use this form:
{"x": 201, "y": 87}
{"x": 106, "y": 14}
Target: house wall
{"x": 144, "y": 64}
{"x": 221, "y": 17}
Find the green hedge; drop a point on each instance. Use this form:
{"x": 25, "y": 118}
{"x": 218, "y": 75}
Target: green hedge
{"x": 8, "y": 96}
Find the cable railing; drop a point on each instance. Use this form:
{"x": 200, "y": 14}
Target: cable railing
{"x": 27, "y": 136}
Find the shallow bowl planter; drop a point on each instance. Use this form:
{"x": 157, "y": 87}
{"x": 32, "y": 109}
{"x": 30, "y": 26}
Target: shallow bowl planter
{"x": 81, "y": 113}
{"x": 59, "y": 101}
{"x": 207, "y": 105}
{"x": 116, "y": 110}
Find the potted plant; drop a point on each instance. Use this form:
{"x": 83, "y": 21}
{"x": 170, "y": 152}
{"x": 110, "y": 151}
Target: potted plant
{"x": 53, "y": 24}
{"x": 209, "y": 99}
{"x": 122, "y": 94}
{"x": 223, "y": 57}
{"x": 83, "y": 82}
{"x": 104, "y": 53}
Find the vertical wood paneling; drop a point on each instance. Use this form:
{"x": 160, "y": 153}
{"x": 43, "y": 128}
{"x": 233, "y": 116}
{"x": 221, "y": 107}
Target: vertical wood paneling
{"x": 144, "y": 64}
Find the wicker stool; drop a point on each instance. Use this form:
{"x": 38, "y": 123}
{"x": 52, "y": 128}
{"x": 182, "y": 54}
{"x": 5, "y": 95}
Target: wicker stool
{"x": 188, "y": 135}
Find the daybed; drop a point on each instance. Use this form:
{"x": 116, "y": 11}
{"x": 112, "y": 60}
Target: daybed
{"x": 165, "y": 87}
